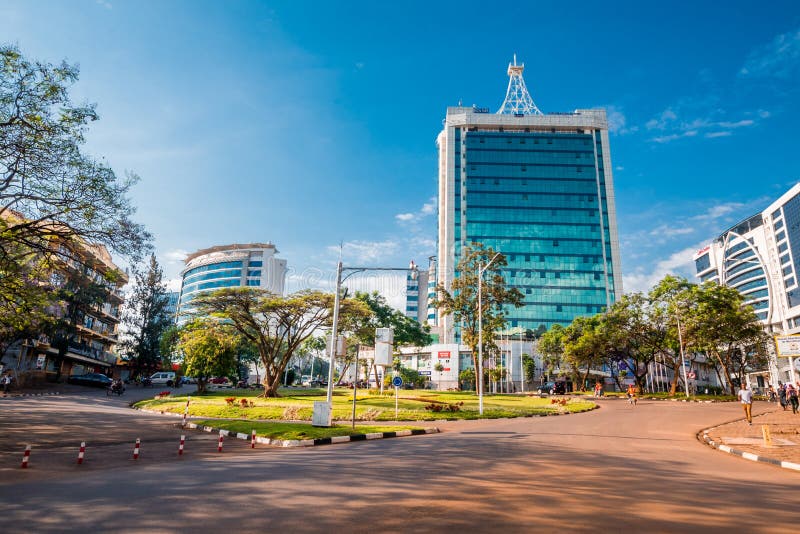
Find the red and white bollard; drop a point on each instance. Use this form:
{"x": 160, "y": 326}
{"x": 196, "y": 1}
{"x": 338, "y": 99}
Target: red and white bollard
{"x": 253, "y": 440}
{"x": 219, "y": 444}
{"x": 186, "y": 410}
{"x": 136, "y": 449}
{"x": 81, "y": 452}
{"x": 26, "y": 456}
{"x": 180, "y": 447}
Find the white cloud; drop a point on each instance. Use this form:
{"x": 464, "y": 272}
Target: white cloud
{"x": 429, "y": 208}
{"x": 173, "y": 284}
{"x": 667, "y": 116}
{"x": 617, "y": 121}
{"x": 366, "y": 251}
{"x": 619, "y": 168}
{"x": 779, "y": 58}
{"x": 175, "y": 256}
{"x": 668, "y": 231}
{"x": 719, "y": 211}
{"x": 680, "y": 263}
{"x": 738, "y": 124}
{"x": 105, "y": 4}
{"x": 712, "y": 135}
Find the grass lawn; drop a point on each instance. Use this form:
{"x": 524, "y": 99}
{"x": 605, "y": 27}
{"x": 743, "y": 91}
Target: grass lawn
{"x": 287, "y": 431}
{"x": 414, "y": 405}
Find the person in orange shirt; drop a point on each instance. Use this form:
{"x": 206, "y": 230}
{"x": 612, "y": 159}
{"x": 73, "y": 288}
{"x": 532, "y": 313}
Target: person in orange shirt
{"x": 632, "y": 394}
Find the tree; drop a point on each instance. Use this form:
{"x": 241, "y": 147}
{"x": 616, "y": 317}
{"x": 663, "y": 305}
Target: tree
{"x": 461, "y": 301}
{"x": 51, "y": 193}
{"x": 407, "y": 331}
{"x": 275, "y": 324}
{"x": 529, "y": 365}
{"x": 26, "y": 303}
{"x": 209, "y": 349}
{"x": 728, "y": 331}
{"x": 551, "y": 347}
{"x": 636, "y": 333}
{"x": 146, "y": 318}
{"x": 585, "y": 346}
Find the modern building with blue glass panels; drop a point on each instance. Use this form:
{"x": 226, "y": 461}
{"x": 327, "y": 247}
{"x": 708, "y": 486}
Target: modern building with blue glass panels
{"x": 238, "y": 265}
{"x": 760, "y": 256}
{"x": 539, "y": 188}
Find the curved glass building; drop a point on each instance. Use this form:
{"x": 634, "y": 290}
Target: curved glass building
{"x": 237, "y": 265}
{"x": 760, "y": 256}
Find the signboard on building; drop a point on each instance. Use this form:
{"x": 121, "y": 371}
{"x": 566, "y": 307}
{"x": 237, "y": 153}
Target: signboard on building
{"x": 444, "y": 354}
{"x": 40, "y": 362}
{"x": 788, "y": 346}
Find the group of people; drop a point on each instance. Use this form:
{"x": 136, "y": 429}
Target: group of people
{"x": 787, "y": 395}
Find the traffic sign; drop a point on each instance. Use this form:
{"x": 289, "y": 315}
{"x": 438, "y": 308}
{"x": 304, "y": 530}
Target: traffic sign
{"x": 397, "y": 382}
{"x": 691, "y": 375}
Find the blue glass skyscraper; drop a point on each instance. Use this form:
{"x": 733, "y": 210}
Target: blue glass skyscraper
{"x": 538, "y": 188}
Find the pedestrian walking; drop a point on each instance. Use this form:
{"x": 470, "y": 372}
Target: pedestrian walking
{"x": 746, "y": 397}
{"x": 632, "y": 394}
{"x": 791, "y": 395}
{"x": 6, "y": 382}
{"x": 782, "y": 396}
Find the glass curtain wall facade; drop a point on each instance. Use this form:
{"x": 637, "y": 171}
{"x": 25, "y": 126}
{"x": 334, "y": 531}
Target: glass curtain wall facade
{"x": 239, "y": 265}
{"x": 539, "y": 189}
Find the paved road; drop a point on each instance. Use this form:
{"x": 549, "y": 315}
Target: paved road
{"x": 619, "y": 468}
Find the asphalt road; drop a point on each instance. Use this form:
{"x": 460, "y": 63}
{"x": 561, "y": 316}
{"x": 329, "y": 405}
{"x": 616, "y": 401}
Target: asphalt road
{"x": 616, "y": 469}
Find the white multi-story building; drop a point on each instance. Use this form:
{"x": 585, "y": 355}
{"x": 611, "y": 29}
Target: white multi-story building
{"x": 239, "y": 265}
{"x": 760, "y": 256}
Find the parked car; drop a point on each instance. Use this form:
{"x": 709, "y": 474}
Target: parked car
{"x": 163, "y": 378}
{"x": 189, "y": 380}
{"x": 559, "y": 388}
{"x": 220, "y": 382}
{"x": 90, "y": 379}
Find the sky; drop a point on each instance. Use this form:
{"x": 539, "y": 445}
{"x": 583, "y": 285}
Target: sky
{"x": 312, "y": 124}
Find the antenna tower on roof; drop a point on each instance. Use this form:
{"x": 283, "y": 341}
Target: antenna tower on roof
{"x": 518, "y": 101}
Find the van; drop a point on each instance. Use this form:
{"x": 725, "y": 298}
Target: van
{"x": 163, "y": 378}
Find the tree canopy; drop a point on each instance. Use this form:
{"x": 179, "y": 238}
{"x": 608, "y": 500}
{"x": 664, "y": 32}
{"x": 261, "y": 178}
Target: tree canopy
{"x": 461, "y": 299}
{"x": 275, "y": 324}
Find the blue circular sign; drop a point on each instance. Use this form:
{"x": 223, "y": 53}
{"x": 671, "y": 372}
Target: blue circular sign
{"x": 397, "y": 381}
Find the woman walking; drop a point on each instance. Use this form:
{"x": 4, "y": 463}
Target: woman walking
{"x": 782, "y": 396}
{"x": 791, "y": 393}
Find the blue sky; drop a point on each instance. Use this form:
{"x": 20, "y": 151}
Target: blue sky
{"x": 313, "y": 123}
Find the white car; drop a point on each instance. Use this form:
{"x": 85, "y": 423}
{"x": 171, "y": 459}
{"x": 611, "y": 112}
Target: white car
{"x": 163, "y": 378}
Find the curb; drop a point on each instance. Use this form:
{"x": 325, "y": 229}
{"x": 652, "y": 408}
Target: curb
{"x": 318, "y": 441}
{"x": 19, "y": 395}
{"x": 742, "y": 454}
{"x": 749, "y": 455}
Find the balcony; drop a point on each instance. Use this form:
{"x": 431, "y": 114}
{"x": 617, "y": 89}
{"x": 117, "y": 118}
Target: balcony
{"x": 90, "y": 352}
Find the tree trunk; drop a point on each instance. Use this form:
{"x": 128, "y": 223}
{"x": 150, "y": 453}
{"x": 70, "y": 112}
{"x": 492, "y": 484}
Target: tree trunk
{"x": 201, "y": 385}
{"x": 585, "y": 378}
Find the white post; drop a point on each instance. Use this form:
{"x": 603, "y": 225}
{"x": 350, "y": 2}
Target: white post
{"x": 480, "y": 342}
{"x": 334, "y": 333}
{"x": 683, "y": 359}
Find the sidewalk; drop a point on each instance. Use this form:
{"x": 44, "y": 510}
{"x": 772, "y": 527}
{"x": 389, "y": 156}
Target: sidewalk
{"x": 784, "y": 426}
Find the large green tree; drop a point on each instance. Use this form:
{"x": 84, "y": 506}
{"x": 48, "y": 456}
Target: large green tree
{"x": 585, "y": 347}
{"x": 461, "y": 299}
{"x": 51, "y": 191}
{"x": 146, "y": 318}
{"x": 275, "y": 324}
{"x": 209, "y": 349}
{"x": 728, "y": 331}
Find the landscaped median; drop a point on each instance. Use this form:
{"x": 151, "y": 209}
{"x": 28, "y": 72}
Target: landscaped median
{"x": 413, "y": 405}
{"x": 303, "y": 434}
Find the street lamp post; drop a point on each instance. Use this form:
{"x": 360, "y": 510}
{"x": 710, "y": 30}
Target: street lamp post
{"x": 480, "y": 332}
{"x": 683, "y": 358}
{"x": 335, "y": 326}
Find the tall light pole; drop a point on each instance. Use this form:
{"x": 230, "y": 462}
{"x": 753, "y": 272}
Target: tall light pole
{"x": 480, "y": 332}
{"x": 683, "y": 358}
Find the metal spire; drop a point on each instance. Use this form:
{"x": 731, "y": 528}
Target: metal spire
{"x": 518, "y": 100}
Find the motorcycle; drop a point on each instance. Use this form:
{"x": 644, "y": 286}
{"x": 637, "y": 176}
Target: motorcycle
{"x": 115, "y": 388}
{"x": 146, "y": 382}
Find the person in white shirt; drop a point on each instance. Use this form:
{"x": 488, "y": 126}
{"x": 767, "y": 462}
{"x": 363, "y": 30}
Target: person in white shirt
{"x": 746, "y": 397}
